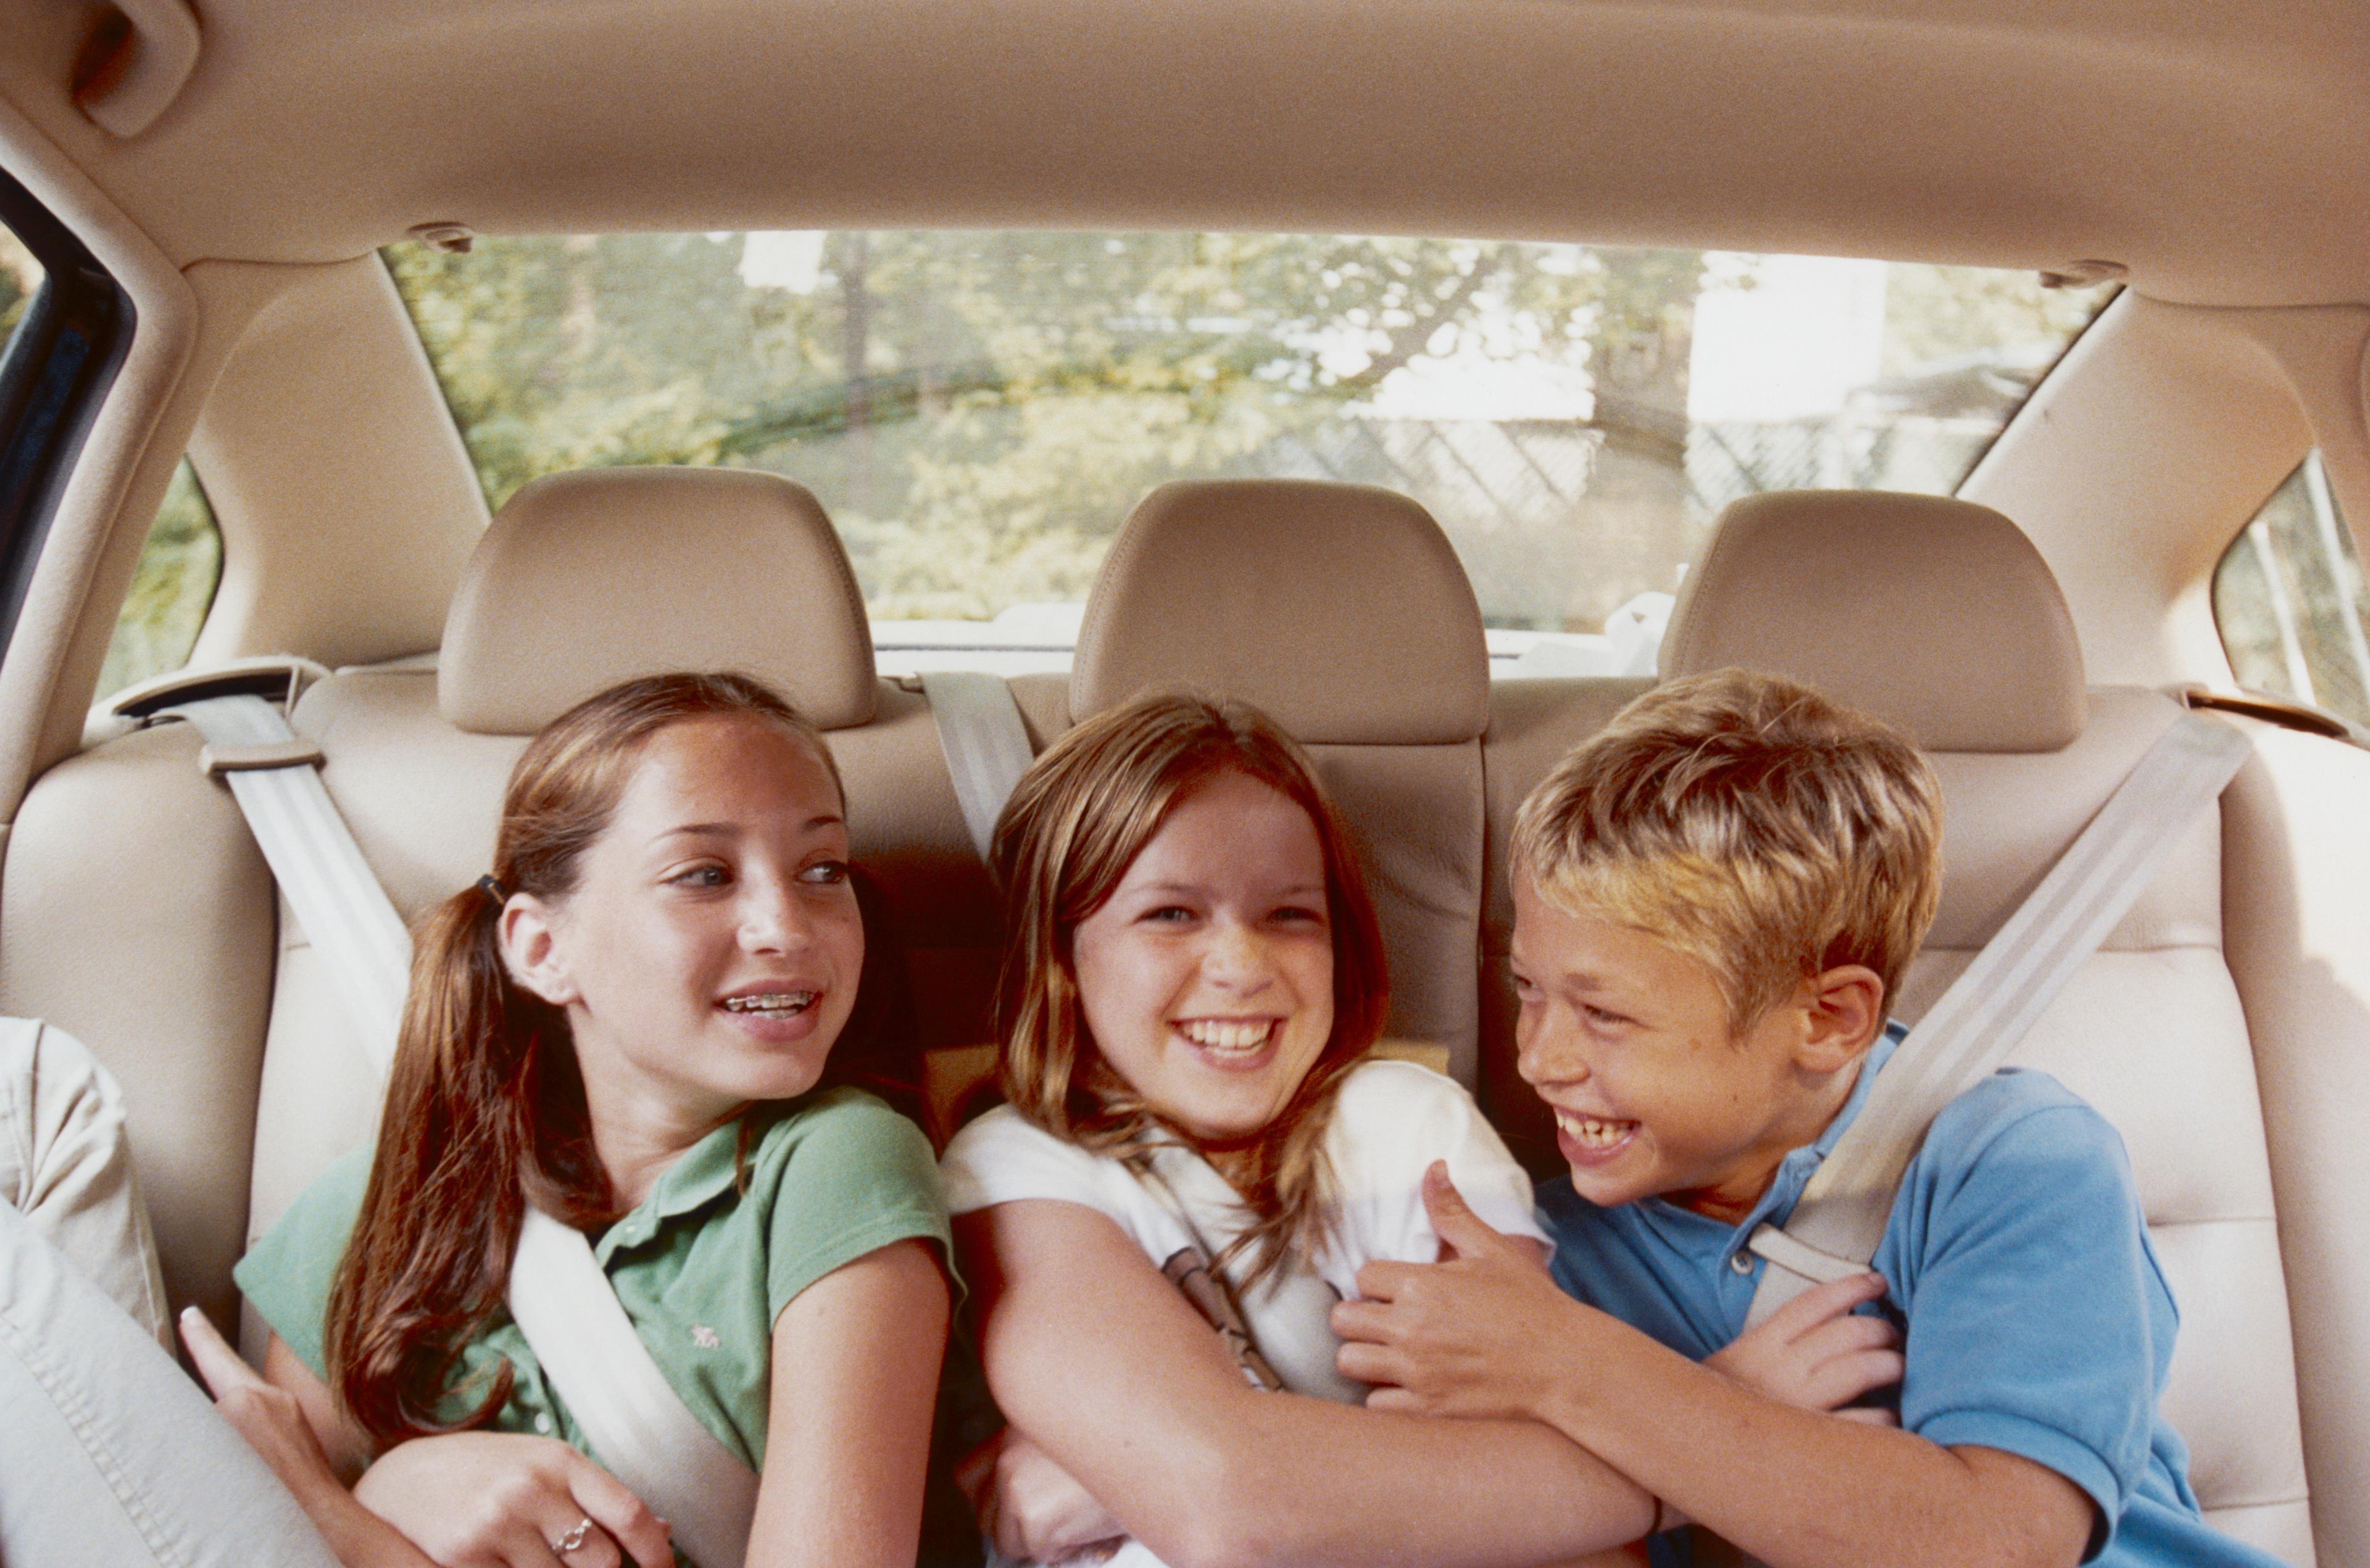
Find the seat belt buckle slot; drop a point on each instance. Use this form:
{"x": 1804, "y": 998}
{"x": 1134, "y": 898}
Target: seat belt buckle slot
{"x": 215, "y": 760}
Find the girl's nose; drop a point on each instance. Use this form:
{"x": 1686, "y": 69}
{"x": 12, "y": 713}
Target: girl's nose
{"x": 773, "y": 918}
{"x": 1238, "y": 956}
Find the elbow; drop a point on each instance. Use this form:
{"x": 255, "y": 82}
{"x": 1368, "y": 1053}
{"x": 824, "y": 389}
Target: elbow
{"x": 1223, "y": 1511}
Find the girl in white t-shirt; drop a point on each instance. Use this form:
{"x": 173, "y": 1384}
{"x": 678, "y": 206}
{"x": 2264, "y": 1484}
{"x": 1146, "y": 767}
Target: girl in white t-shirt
{"x": 1198, "y": 1136}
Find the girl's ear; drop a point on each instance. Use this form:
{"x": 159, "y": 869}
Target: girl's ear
{"x": 531, "y": 950}
{"x": 1846, "y": 1015}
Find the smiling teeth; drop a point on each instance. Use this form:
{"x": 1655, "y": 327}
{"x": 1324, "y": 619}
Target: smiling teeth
{"x": 772, "y": 1005}
{"x": 1593, "y": 1132}
{"x": 1224, "y": 1034}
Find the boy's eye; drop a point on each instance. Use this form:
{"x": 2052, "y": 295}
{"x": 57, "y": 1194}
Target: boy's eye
{"x": 1600, "y": 1015}
{"x": 825, "y": 873}
{"x": 1525, "y": 989}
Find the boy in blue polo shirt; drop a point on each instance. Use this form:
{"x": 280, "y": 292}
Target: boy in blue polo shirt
{"x": 1715, "y": 898}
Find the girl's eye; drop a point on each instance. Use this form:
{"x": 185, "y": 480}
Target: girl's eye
{"x": 825, "y": 873}
{"x": 1299, "y": 914}
{"x": 710, "y": 875}
{"x": 1167, "y": 914}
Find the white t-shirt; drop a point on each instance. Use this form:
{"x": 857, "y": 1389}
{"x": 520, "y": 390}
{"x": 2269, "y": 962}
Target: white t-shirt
{"x": 1391, "y": 1121}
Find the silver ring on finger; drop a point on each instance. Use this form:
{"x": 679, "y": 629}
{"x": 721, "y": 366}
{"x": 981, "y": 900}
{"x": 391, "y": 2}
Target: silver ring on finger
{"x": 574, "y": 1538}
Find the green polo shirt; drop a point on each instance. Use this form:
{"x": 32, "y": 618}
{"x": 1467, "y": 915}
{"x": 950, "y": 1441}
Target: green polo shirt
{"x": 703, "y": 1273}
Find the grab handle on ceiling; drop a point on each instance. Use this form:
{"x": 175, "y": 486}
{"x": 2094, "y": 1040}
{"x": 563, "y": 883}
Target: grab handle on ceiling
{"x": 140, "y": 58}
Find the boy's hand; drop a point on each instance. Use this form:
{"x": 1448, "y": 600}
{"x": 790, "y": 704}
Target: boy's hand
{"x": 1032, "y": 1508}
{"x": 1812, "y": 1352}
{"x": 1469, "y": 1335}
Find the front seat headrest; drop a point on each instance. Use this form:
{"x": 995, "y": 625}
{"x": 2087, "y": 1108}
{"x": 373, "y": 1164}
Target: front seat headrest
{"x": 1937, "y": 616}
{"x": 603, "y": 574}
{"x": 1338, "y": 608}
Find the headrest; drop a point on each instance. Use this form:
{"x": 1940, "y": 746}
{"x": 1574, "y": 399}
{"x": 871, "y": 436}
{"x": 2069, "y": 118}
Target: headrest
{"x": 1338, "y": 608}
{"x": 1937, "y": 616}
{"x": 593, "y": 578}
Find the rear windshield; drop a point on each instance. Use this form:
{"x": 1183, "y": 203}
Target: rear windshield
{"x": 978, "y": 411}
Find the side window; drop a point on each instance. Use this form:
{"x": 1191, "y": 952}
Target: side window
{"x": 171, "y": 590}
{"x": 2288, "y": 599}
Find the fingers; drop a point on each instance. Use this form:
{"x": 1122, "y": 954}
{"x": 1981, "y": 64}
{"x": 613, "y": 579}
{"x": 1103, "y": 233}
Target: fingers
{"x": 1868, "y": 1417}
{"x": 1459, "y": 1226}
{"x": 216, "y": 1362}
{"x": 1823, "y": 1303}
{"x": 1383, "y": 1281}
{"x": 1367, "y": 1321}
{"x": 1368, "y": 1363}
{"x": 620, "y": 1516}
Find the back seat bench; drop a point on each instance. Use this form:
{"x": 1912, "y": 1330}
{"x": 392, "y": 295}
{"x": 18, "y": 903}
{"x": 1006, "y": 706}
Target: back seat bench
{"x": 139, "y": 915}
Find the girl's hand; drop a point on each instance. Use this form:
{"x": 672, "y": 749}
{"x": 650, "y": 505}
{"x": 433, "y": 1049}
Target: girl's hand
{"x": 272, "y": 1421}
{"x": 265, "y": 1415}
{"x": 1813, "y": 1353}
{"x": 1030, "y": 1507}
{"x": 503, "y": 1500}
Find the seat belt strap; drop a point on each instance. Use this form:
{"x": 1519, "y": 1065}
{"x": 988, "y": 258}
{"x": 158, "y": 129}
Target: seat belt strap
{"x": 1842, "y": 1214}
{"x": 986, "y": 745}
{"x": 638, "y": 1425}
{"x": 336, "y": 899}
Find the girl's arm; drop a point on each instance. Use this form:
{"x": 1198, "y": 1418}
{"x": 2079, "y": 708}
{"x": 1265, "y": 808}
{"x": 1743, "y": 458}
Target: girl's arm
{"x": 856, "y": 1376}
{"x": 1098, "y": 1359}
{"x": 470, "y": 1498}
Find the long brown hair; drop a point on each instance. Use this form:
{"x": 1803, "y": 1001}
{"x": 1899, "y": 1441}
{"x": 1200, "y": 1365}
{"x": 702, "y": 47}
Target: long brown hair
{"x": 485, "y": 1107}
{"x": 1075, "y": 822}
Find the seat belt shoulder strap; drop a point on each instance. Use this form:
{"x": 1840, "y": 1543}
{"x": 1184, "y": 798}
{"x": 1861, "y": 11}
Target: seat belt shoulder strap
{"x": 986, "y": 745}
{"x": 1974, "y": 1026}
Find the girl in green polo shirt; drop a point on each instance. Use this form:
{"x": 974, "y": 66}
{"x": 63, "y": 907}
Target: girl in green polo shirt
{"x": 631, "y": 1024}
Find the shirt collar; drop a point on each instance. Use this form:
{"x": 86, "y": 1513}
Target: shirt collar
{"x": 1794, "y": 1171}
{"x": 703, "y": 1172}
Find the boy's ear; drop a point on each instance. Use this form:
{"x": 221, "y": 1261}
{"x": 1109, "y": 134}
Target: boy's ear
{"x": 1846, "y": 1015}
{"x": 531, "y": 951}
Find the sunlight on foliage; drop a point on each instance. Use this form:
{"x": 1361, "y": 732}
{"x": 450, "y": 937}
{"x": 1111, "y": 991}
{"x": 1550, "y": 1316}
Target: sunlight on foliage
{"x": 171, "y": 590}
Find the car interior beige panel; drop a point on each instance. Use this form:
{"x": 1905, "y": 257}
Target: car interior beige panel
{"x": 140, "y": 919}
{"x": 1855, "y": 129}
{"x": 2132, "y": 468}
{"x": 94, "y": 540}
{"x": 2325, "y": 357}
{"x": 346, "y": 502}
{"x": 598, "y": 575}
{"x": 1044, "y": 704}
{"x": 2297, "y": 918}
{"x": 2283, "y": 1529}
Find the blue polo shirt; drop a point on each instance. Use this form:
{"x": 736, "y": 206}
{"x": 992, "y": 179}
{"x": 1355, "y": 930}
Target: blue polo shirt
{"x": 2035, "y": 1318}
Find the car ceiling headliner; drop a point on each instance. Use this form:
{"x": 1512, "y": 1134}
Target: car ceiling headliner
{"x": 2217, "y": 148}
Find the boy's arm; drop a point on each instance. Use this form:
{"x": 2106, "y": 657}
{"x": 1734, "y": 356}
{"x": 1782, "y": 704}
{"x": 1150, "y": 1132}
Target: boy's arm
{"x": 1485, "y": 1335}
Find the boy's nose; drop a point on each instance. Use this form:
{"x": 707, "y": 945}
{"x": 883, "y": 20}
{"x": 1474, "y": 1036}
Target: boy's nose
{"x": 1543, "y": 1055}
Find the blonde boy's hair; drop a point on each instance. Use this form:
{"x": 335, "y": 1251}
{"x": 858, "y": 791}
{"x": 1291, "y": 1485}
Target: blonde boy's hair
{"x": 1752, "y": 825}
